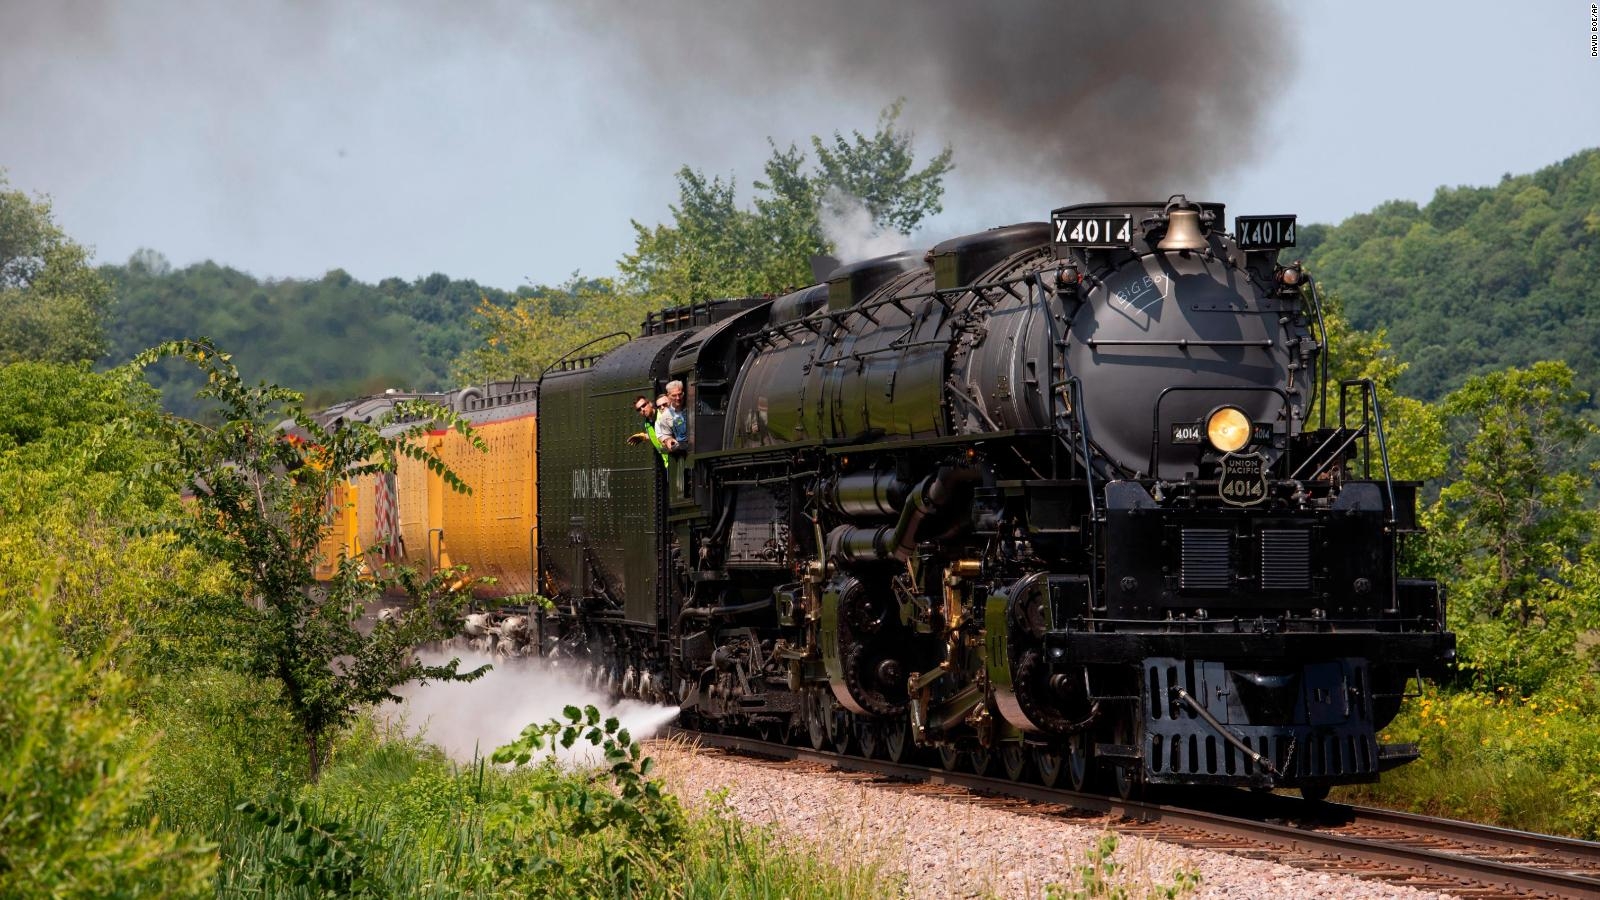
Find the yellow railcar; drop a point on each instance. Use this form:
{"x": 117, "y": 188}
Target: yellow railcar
{"x": 341, "y": 538}
{"x": 377, "y": 525}
{"x": 494, "y": 530}
{"x": 420, "y": 500}
{"x": 412, "y": 516}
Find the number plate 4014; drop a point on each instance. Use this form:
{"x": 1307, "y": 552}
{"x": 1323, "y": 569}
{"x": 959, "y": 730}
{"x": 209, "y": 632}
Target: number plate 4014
{"x": 1243, "y": 481}
{"x": 1094, "y": 231}
{"x": 1264, "y": 232}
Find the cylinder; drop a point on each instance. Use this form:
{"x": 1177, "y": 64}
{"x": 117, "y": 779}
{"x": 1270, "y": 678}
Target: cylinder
{"x": 848, "y": 543}
{"x": 864, "y": 495}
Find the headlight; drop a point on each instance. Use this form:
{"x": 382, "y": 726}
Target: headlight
{"x": 1228, "y": 429}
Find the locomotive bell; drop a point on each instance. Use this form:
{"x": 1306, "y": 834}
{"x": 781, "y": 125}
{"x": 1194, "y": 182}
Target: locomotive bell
{"x": 1183, "y": 231}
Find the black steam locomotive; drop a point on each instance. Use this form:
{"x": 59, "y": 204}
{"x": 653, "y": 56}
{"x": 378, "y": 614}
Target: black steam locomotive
{"x": 1072, "y": 499}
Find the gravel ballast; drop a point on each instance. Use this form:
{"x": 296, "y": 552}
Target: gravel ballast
{"x": 966, "y": 847}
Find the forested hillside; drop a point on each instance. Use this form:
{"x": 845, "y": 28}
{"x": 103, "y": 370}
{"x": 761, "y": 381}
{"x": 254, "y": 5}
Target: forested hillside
{"x": 1479, "y": 279}
{"x": 334, "y": 337}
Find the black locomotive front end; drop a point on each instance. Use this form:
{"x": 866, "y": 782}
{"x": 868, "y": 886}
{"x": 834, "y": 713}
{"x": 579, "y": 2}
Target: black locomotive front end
{"x": 1247, "y": 611}
{"x": 1271, "y": 643}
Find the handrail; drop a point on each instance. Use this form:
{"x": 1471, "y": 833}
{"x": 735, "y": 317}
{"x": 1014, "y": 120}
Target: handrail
{"x": 1323, "y": 354}
{"x": 1350, "y": 438}
{"x": 1095, "y": 343}
{"x": 1370, "y": 395}
{"x": 943, "y": 296}
{"x": 533, "y": 561}
{"x": 583, "y": 346}
{"x": 1080, "y": 424}
{"x": 1058, "y": 363}
{"x": 435, "y": 561}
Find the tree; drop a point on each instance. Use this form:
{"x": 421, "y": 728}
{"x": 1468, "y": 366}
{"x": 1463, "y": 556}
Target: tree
{"x": 295, "y": 331}
{"x": 522, "y": 338}
{"x": 76, "y": 482}
{"x": 259, "y": 505}
{"x": 52, "y": 303}
{"x": 1515, "y": 505}
{"x": 1414, "y": 430}
{"x": 1479, "y": 278}
{"x": 715, "y": 248}
{"x": 877, "y": 171}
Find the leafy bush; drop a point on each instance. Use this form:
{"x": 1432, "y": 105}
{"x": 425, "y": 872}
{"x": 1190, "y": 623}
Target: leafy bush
{"x": 1521, "y": 762}
{"x": 392, "y": 817}
{"x": 259, "y": 510}
{"x": 77, "y": 482}
{"x": 71, "y": 779}
{"x": 627, "y": 834}
{"x": 218, "y": 736}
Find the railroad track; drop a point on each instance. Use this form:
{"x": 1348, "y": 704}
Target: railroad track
{"x": 1460, "y": 858}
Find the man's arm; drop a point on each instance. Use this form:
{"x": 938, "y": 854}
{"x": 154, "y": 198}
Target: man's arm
{"x": 664, "y": 428}
{"x": 649, "y": 433}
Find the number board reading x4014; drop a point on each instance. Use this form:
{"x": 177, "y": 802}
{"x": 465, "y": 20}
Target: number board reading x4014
{"x": 1264, "y": 232}
{"x": 1094, "y": 231}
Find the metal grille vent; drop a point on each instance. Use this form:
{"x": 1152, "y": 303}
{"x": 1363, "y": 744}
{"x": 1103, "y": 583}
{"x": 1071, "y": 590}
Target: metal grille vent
{"x": 1286, "y": 560}
{"x": 1205, "y": 559}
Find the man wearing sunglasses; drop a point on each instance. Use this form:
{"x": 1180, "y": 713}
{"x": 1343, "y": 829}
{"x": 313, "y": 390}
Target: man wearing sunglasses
{"x": 647, "y": 412}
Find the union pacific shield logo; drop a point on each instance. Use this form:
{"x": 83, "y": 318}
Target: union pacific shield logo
{"x": 1244, "y": 479}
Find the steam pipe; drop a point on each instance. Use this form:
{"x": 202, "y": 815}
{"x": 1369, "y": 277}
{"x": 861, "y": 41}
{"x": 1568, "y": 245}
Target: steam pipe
{"x": 708, "y": 612}
{"x": 724, "y": 521}
{"x": 926, "y": 499}
{"x": 870, "y": 494}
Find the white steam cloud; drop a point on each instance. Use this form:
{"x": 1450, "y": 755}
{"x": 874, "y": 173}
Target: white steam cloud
{"x": 468, "y": 719}
{"x": 848, "y": 226}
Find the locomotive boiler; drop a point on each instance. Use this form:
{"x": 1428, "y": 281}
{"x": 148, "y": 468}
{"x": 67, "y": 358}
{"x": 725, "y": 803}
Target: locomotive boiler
{"x": 1069, "y": 500}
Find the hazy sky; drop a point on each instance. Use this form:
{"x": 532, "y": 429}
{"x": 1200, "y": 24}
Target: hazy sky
{"x": 510, "y": 142}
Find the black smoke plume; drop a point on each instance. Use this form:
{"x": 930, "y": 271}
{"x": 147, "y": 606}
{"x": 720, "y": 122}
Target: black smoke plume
{"x": 1130, "y": 98}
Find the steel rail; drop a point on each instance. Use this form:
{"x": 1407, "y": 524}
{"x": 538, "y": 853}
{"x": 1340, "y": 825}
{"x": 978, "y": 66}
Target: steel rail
{"x": 1509, "y": 877}
{"x": 1486, "y": 835}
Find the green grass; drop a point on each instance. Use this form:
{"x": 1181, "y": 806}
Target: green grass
{"x": 392, "y": 817}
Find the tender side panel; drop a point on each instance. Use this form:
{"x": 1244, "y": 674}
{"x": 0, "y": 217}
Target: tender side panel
{"x": 365, "y": 488}
{"x": 563, "y": 453}
{"x": 375, "y": 518}
{"x": 624, "y": 485}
